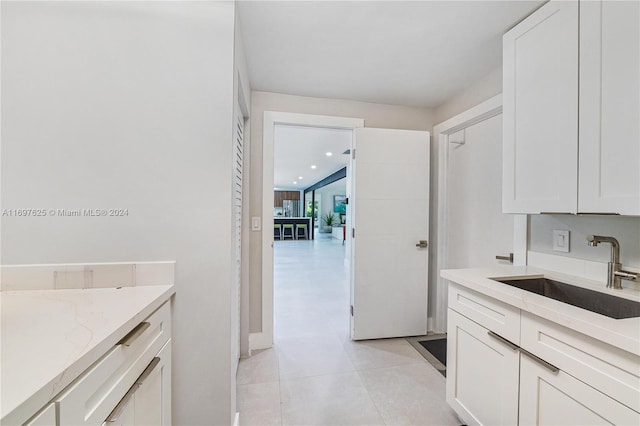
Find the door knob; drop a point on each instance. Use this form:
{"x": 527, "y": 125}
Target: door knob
{"x": 422, "y": 244}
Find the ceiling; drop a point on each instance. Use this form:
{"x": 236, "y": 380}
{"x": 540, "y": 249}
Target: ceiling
{"x": 296, "y": 149}
{"x": 417, "y": 53}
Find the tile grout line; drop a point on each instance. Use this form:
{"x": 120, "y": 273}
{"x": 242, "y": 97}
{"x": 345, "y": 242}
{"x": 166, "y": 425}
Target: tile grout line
{"x": 371, "y": 398}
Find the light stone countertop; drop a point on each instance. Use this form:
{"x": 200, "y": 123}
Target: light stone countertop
{"x": 621, "y": 333}
{"x": 49, "y": 337}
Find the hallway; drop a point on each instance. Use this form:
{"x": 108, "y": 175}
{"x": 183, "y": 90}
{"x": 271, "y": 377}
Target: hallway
{"x": 315, "y": 375}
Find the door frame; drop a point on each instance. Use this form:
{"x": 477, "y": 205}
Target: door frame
{"x": 264, "y": 339}
{"x": 487, "y": 109}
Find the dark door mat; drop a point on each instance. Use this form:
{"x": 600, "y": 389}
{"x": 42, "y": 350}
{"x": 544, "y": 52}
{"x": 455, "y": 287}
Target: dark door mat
{"x": 437, "y": 348}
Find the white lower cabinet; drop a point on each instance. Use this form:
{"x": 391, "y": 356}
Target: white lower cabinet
{"x": 47, "y": 417}
{"x": 554, "y": 376}
{"x": 148, "y": 402}
{"x": 130, "y": 385}
{"x": 482, "y": 374}
{"x": 137, "y": 365}
{"x": 557, "y": 398}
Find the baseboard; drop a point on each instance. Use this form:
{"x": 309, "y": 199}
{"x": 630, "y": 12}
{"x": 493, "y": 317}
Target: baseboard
{"x": 259, "y": 341}
{"x": 236, "y": 420}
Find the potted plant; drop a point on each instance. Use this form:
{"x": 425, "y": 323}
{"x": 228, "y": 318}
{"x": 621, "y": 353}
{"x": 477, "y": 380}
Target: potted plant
{"x": 328, "y": 220}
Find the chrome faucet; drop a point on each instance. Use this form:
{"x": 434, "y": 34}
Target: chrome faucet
{"x": 616, "y": 274}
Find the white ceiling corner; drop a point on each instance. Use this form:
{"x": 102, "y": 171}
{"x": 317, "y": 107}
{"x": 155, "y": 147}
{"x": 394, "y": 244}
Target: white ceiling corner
{"x": 416, "y": 53}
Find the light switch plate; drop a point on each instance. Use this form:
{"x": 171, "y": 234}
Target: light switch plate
{"x": 255, "y": 223}
{"x": 561, "y": 241}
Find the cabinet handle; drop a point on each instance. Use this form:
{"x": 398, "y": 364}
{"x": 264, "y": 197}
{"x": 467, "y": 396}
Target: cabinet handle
{"x": 134, "y": 334}
{"x": 117, "y": 412}
{"x": 557, "y": 213}
{"x": 498, "y": 337}
{"x": 540, "y": 361}
{"x": 508, "y": 258}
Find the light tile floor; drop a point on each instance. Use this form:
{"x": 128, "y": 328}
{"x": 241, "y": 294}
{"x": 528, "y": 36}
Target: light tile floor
{"x": 315, "y": 375}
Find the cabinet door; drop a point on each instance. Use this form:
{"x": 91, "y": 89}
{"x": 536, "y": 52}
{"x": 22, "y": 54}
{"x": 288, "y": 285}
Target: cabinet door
{"x": 152, "y": 403}
{"x": 147, "y": 403}
{"x": 126, "y": 418}
{"x": 540, "y": 116}
{"x": 482, "y": 374}
{"x": 609, "y": 179}
{"x": 548, "y": 398}
{"x": 46, "y": 417}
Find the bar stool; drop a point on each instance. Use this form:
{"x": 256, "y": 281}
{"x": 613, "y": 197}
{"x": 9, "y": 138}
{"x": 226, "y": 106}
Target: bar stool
{"x": 302, "y": 227}
{"x": 277, "y": 231}
{"x": 288, "y": 226}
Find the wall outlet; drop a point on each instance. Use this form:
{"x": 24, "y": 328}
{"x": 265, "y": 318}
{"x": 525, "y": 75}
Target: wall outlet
{"x": 561, "y": 241}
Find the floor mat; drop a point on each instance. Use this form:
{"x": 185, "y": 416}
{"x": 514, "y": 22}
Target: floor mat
{"x": 437, "y": 348}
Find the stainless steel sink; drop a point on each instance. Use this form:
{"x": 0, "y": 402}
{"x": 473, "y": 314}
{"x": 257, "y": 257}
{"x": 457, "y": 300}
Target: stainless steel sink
{"x": 600, "y": 303}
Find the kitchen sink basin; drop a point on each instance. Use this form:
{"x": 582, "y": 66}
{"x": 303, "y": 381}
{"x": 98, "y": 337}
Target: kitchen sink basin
{"x": 600, "y": 303}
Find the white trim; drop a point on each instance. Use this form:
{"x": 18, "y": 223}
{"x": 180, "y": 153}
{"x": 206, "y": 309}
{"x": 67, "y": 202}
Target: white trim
{"x": 236, "y": 419}
{"x": 259, "y": 341}
{"x": 272, "y": 118}
{"x": 477, "y": 114}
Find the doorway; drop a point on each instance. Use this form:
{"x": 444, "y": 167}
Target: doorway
{"x": 265, "y": 338}
{"x": 388, "y": 282}
{"x": 472, "y": 230}
{"x": 311, "y": 277}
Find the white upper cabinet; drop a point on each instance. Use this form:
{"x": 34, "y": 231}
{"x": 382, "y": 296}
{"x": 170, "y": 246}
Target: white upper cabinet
{"x": 540, "y": 118}
{"x": 609, "y": 107}
{"x": 572, "y": 109}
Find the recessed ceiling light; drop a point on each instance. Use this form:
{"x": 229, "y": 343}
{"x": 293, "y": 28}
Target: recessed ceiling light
{"x": 313, "y": 166}
{"x": 299, "y": 177}
{"x": 329, "y": 154}
{"x": 295, "y": 183}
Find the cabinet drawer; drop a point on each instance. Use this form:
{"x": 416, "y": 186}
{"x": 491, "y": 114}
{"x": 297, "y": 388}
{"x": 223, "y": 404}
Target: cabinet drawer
{"x": 490, "y": 313}
{"x": 611, "y": 370}
{"x": 94, "y": 395}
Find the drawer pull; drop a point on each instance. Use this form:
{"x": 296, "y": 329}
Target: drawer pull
{"x": 117, "y": 412}
{"x": 498, "y": 337}
{"x": 540, "y": 361}
{"x": 134, "y": 334}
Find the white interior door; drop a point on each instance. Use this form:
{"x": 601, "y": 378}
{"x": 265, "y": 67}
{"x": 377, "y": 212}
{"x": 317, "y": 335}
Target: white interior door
{"x": 390, "y": 215}
{"x": 477, "y": 230}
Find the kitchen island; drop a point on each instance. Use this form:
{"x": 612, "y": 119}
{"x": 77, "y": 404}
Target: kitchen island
{"x": 281, "y": 220}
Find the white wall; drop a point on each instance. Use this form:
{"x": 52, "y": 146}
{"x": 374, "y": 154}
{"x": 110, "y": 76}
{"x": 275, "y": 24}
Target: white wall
{"x": 485, "y": 88}
{"x": 626, "y": 229}
{"x": 375, "y": 115}
{"x": 129, "y": 105}
{"x": 481, "y": 90}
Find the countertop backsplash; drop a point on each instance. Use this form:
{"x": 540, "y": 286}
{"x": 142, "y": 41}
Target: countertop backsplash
{"x": 84, "y": 276}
